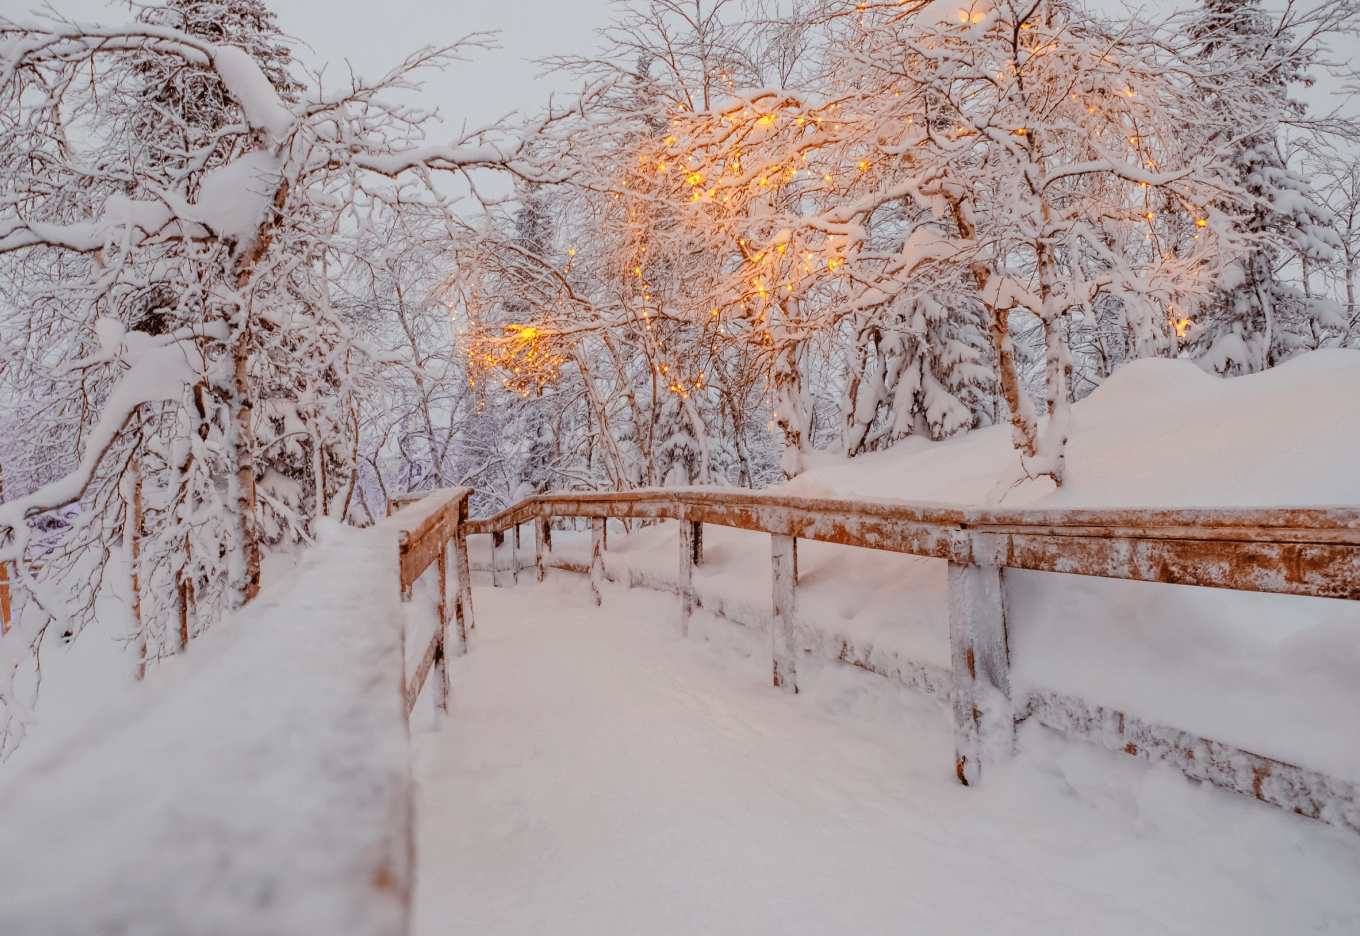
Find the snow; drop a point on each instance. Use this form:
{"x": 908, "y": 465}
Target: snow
{"x": 233, "y": 199}
{"x": 1267, "y": 673}
{"x": 597, "y": 774}
{"x": 157, "y": 370}
{"x": 1157, "y": 433}
{"x": 260, "y": 784}
{"x": 252, "y": 90}
{"x": 1276, "y": 675}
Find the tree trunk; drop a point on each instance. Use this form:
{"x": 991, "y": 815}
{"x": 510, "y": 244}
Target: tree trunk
{"x": 243, "y": 411}
{"x": 790, "y": 409}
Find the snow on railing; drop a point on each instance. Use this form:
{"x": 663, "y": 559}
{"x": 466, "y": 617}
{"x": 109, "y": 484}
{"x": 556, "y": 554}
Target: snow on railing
{"x": 442, "y": 528}
{"x": 1288, "y": 551}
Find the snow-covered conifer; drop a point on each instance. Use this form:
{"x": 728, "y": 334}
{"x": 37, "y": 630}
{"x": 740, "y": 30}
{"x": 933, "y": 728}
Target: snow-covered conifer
{"x": 1248, "y": 59}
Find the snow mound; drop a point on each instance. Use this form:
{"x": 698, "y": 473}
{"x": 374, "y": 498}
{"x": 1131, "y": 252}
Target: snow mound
{"x": 1266, "y": 673}
{"x": 259, "y": 784}
{"x": 1157, "y": 433}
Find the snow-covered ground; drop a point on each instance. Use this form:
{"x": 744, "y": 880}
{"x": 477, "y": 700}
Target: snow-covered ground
{"x": 259, "y": 784}
{"x": 1276, "y": 675}
{"x": 599, "y": 775}
{"x": 1157, "y": 433}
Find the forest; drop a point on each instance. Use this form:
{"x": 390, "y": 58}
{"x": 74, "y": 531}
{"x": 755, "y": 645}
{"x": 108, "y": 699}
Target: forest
{"x": 241, "y": 303}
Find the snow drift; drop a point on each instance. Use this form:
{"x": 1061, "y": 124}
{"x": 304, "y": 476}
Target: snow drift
{"x": 1277, "y": 675}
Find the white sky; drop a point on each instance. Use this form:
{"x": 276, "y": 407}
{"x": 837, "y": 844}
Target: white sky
{"x": 374, "y": 35}
{"x": 371, "y": 36}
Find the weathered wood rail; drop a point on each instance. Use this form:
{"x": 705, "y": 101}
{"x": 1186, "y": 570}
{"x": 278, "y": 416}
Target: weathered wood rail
{"x": 1287, "y": 551}
{"x": 443, "y": 530}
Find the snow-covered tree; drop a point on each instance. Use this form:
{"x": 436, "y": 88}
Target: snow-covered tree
{"x": 171, "y": 226}
{"x": 1248, "y": 59}
{"x": 985, "y": 159}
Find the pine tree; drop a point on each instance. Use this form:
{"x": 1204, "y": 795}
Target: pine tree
{"x": 1258, "y": 317}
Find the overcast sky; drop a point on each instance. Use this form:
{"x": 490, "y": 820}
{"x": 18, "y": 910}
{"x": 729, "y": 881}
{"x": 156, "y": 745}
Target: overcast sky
{"x": 374, "y": 35}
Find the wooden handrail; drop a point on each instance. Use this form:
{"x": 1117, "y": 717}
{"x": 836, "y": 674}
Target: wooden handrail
{"x": 1296, "y": 551}
{"x": 1288, "y": 550}
{"x": 444, "y": 524}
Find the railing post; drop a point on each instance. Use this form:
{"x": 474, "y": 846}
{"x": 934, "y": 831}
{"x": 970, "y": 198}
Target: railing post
{"x": 784, "y": 565}
{"x": 441, "y": 671}
{"x": 502, "y": 560}
{"x": 462, "y": 602}
{"x": 542, "y": 543}
{"x": 984, "y": 721}
{"x": 691, "y": 555}
{"x": 597, "y": 533}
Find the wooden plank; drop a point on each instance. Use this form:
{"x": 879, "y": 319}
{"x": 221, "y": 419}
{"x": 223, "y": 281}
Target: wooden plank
{"x": 503, "y": 571}
{"x": 429, "y": 543}
{"x": 4, "y": 598}
{"x": 597, "y": 556}
{"x": 542, "y": 543}
{"x": 1291, "y": 568}
{"x": 417, "y": 680}
{"x": 441, "y": 669}
{"x": 784, "y": 586}
{"x": 419, "y": 548}
{"x": 463, "y": 620}
{"x": 686, "y": 583}
{"x": 1305, "y": 551}
{"x": 1306, "y": 792}
{"x": 984, "y": 722}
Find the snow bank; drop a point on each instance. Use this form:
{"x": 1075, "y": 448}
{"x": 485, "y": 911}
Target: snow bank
{"x": 599, "y": 776}
{"x": 260, "y": 784}
{"x": 1157, "y": 433}
{"x": 1276, "y": 675}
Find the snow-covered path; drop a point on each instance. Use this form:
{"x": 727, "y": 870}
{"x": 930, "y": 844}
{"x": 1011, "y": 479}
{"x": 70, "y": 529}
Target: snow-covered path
{"x": 598, "y": 775}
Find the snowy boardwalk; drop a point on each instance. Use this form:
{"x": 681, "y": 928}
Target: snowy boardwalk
{"x": 258, "y": 785}
{"x": 596, "y": 774}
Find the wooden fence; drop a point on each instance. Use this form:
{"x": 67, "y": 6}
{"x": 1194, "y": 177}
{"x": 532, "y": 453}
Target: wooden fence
{"x": 443, "y": 529}
{"x": 1288, "y": 551}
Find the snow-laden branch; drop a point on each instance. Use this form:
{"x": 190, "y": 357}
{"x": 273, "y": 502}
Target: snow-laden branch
{"x": 158, "y": 371}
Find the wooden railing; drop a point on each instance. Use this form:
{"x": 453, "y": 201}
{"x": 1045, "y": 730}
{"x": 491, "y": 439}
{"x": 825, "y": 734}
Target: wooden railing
{"x": 443, "y": 529}
{"x": 1288, "y": 551}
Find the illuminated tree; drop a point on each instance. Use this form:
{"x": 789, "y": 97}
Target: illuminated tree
{"x": 1037, "y": 160}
